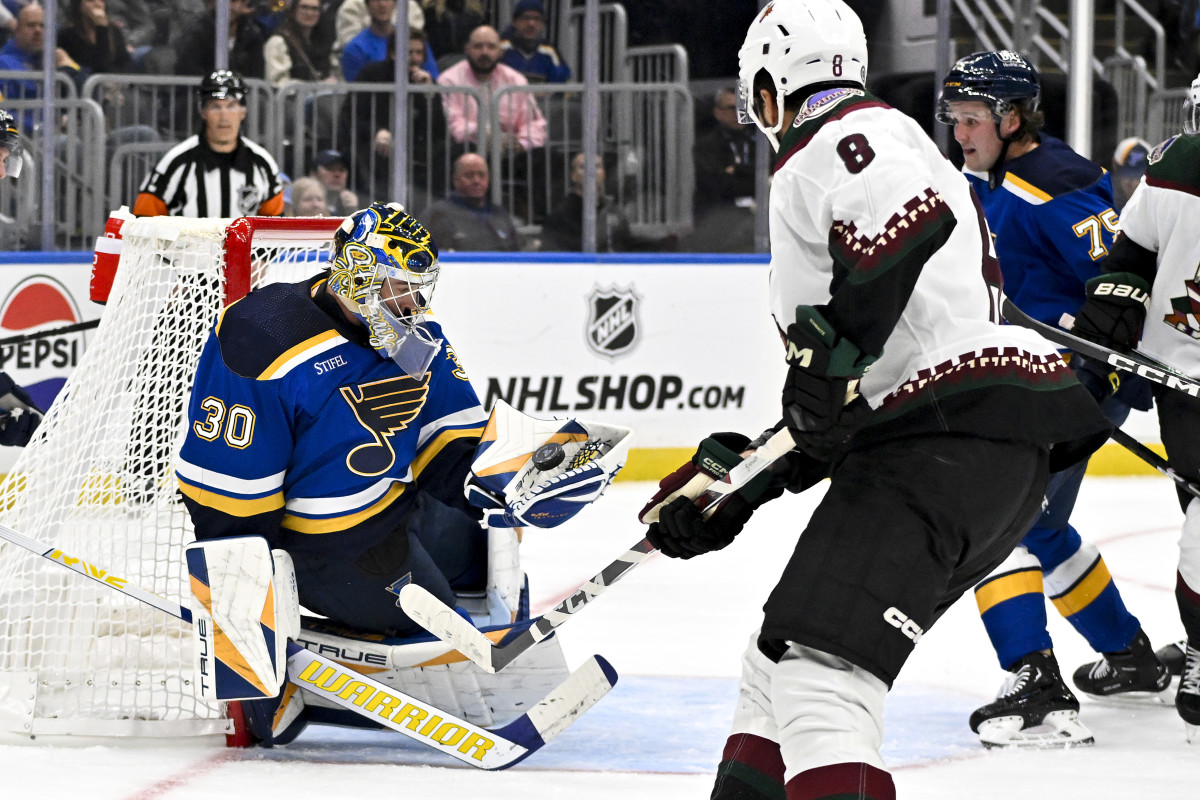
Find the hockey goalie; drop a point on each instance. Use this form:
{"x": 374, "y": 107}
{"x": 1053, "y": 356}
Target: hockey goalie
{"x": 335, "y": 444}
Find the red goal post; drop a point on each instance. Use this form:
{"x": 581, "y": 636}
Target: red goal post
{"x": 80, "y": 663}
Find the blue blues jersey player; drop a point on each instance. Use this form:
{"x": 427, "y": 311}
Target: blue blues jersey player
{"x": 331, "y": 417}
{"x": 1051, "y": 216}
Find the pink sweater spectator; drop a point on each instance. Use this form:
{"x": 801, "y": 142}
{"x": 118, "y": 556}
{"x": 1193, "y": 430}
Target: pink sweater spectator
{"x": 520, "y": 118}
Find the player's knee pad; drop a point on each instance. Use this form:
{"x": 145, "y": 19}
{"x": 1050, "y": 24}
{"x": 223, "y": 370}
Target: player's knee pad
{"x": 828, "y": 711}
{"x": 505, "y": 597}
{"x": 435, "y": 673}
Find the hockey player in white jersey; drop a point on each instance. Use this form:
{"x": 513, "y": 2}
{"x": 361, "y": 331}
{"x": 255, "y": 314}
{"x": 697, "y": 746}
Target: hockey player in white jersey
{"x": 938, "y": 427}
{"x": 1149, "y": 297}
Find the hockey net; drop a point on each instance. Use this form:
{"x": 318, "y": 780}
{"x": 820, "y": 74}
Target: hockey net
{"x": 77, "y": 660}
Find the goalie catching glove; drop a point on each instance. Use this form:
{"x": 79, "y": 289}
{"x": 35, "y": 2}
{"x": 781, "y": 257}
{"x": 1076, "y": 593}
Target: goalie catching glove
{"x": 513, "y": 490}
{"x": 1115, "y": 308}
{"x": 821, "y": 404}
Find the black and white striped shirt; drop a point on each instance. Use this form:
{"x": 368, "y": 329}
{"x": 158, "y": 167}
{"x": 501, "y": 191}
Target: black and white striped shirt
{"x": 192, "y": 180}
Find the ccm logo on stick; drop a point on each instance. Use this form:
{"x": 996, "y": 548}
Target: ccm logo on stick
{"x": 898, "y": 619}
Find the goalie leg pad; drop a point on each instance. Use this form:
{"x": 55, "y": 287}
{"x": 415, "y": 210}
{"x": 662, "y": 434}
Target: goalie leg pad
{"x": 246, "y": 610}
{"x": 434, "y": 673}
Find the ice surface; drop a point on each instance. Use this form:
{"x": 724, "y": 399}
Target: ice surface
{"x": 675, "y": 632}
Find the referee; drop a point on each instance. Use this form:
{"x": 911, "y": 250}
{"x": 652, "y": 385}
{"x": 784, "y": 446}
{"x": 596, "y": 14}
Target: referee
{"x": 218, "y": 172}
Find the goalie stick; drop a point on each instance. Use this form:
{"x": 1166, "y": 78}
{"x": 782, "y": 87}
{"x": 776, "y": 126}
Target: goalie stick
{"x": 383, "y": 705}
{"x": 446, "y": 624}
{"x": 1154, "y": 459}
{"x": 1135, "y": 362}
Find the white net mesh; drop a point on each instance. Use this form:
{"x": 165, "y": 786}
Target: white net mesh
{"x": 77, "y": 659}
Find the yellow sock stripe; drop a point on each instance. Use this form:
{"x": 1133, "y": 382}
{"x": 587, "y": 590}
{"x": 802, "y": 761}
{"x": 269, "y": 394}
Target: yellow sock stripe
{"x": 1085, "y": 591}
{"x": 1006, "y": 587}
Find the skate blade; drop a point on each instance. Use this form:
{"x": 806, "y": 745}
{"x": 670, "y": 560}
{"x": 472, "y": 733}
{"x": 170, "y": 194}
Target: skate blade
{"x": 1192, "y": 732}
{"x": 1165, "y": 697}
{"x": 1059, "y": 729}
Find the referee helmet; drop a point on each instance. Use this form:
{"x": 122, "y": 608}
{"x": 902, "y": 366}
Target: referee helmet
{"x": 223, "y": 84}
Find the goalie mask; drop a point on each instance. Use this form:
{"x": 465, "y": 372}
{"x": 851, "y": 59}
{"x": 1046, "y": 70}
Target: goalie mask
{"x": 1191, "y": 109}
{"x": 384, "y": 269}
{"x": 10, "y": 140}
{"x": 799, "y": 43}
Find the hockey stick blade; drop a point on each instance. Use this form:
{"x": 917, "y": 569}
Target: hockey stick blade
{"x": 1135, "y": 362}
{"x": 1154, "y": 459}
{"x": 446, "y": 624}
{"x": 384, "y": 705}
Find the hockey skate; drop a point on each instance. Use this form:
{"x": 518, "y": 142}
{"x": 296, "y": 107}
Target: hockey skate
{"x": 1187, "y": 699}
{"x": 1172, "y": 657}
{"x": 1034, "y": 708}
{"x": 1135, "y": 673}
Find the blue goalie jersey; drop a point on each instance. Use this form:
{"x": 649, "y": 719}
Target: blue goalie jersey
{"x": 300, "y": 432}
{"x": 1053, "y": 222}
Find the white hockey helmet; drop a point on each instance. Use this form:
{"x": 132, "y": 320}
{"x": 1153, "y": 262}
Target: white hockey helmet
{"x": 1191, "y": 108}
{"x": 799, "y": 43}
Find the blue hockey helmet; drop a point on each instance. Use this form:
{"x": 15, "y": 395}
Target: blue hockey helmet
{"x": 385, "y": 266}
{"x": 1001, "y": 79}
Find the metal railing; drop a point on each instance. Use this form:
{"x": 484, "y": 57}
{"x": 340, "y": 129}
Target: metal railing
{"x": 80, "y": 207}
{"x": 1164, "y": 114}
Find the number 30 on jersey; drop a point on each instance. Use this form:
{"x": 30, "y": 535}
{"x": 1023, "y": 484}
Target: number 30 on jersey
{"x": 237, "y": 423}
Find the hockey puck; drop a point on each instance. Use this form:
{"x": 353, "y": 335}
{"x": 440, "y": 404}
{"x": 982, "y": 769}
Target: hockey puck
{"x": 548, "y": 456}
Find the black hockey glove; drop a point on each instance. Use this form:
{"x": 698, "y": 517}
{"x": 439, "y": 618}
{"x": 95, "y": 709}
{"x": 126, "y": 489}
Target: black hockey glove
{"x": 1115, "y": 308}
{"x": 821, "y": 404}
{"x": 1101, "y": 380}
{"x": 16, "y": 429}
{"x": 716, "y": 455}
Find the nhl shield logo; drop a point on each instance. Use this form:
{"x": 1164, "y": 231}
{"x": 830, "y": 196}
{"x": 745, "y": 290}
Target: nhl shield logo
{"x": 612, "y": 327}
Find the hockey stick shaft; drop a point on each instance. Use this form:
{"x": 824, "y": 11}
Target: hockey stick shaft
{"x": 1134, "y": 362}
{"x": 1154, "y": 459}
{"x": 63, "y": 331}
{"x": 382, "y": 704}
{"x": 444, "y": 623}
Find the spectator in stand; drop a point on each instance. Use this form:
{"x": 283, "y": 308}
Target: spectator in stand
{"x": 353, "y": 18}
{"x": 522, "y": 128}
{"x": 8, "y": 23}
{"x": 332, "y": 170}
{"x": 467, "y": 219}
{"x": 563, "y": 229}
{"x": 308, "y": 199}
{"x": 1129, "y": 163}
{"x": 370, "y": 44}
{"x": 217, "y": 172}
{"x": 301, "y": 49}
{"x": 137, "y": 25}
{"x": 369, "y": 128}
{"x": 246, "y": 39}
{"x": 521, "y": 122}
{"x": 93, "y": 43}
{"x": 449, "y": 23}
{"x": 525, "y": 48}
{"x": 23, "y": 53}
{"x": 725, "y": 177}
